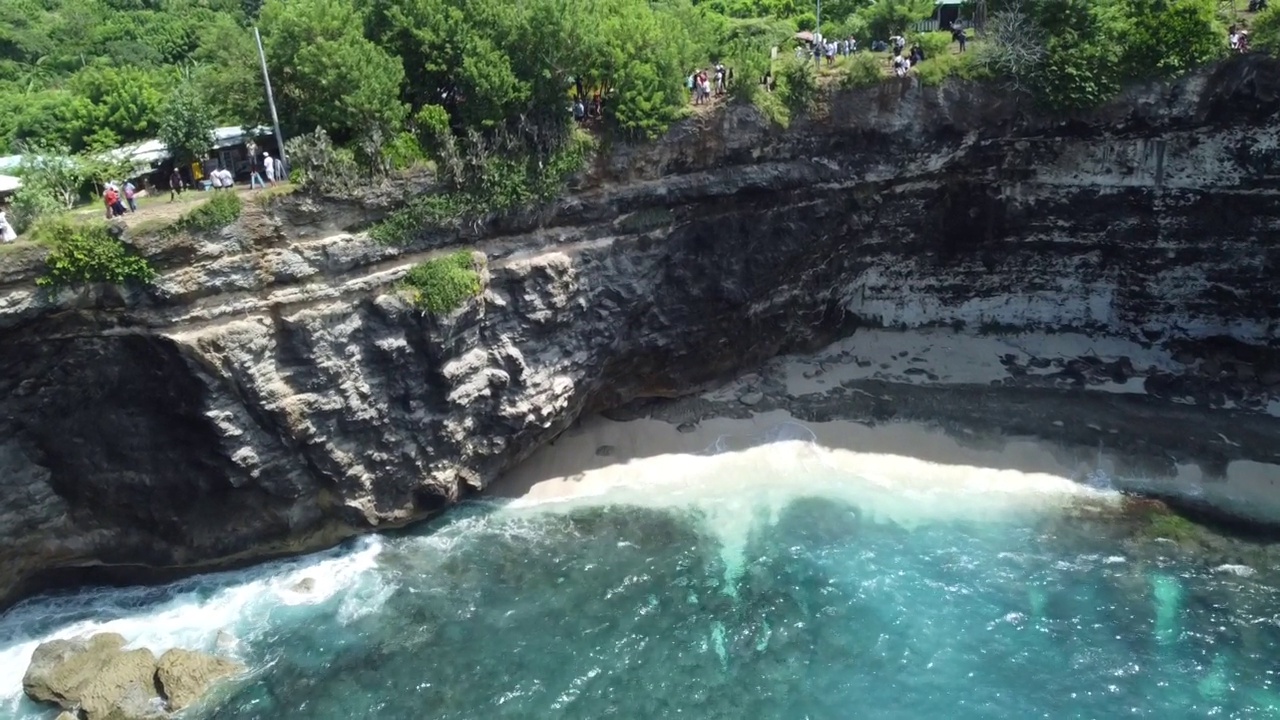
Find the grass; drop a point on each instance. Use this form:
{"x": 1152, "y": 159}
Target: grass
{"x": 220, "y": 211}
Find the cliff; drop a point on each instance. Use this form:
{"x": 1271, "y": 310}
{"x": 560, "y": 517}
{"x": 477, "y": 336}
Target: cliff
{"x": 275, "y": 393}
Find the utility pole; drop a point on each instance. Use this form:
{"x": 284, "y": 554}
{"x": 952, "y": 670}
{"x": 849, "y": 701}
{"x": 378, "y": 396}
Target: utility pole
{"x": 817, "y": 34}
{"x": 271, "y": 100}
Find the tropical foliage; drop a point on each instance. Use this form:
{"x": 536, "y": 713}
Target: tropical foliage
{"x": 87, "y": 253}
{"x": 83, "y": 75}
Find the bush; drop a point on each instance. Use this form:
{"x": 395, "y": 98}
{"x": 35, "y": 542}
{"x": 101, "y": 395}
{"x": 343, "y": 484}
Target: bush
{"x": 771, "y": 105}
{"x": 218, "y": 212}
{"x": 82, "y": 254}
{"x": 935, "y": 71}
{"x": 440, "y": 285}
{"x": 485, "y": 179}
{"x": 798, "y": 85}
{"x": 432, "y": 123}
{"x": 862, "y": 70}
{"x": 1265, "y": 32}
{"x": 316, "y": 164}
{"x": 934, "y": 44}
{"x": 403, "y": 151}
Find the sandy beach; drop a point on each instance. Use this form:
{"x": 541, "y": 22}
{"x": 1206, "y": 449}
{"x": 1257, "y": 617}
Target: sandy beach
{"x": 599, "y": 457}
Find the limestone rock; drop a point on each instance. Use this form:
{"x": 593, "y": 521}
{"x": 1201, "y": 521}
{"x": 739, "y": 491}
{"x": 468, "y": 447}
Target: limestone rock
{"x": 751, "y": 398}
{"x": 185, "y": 676}
{"x": 271, "y": 395}
{"x": 64, "y": 715}
{"x": 95, "y": 675}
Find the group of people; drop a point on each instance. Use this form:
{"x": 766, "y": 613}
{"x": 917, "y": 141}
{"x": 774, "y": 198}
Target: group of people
{"x": 1238, "y": 39}
{"x": 114, "y": 198}
{"x": 222, "y": 179}
{"x": 699, "y": 83}
{"x": 831, "y": 48}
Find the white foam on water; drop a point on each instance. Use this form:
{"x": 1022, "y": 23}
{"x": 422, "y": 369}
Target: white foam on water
{"x": 191, "y": 614}
{"x": 731, "y": 487}
{"x": 738, "y": 485}
{"x": 742, "y": 483}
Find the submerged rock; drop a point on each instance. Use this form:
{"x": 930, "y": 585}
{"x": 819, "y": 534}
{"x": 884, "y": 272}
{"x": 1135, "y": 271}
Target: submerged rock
{"x": 184, "y": 676}
{"x": 100, "y": 680}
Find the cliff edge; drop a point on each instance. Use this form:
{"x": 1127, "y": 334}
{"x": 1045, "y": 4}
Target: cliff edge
{"x": 274, "y": 392}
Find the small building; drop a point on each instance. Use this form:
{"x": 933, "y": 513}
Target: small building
{"x": 154, "y": 162}
{"x": 945, "y": 12}
{"x": 9, "y": 184}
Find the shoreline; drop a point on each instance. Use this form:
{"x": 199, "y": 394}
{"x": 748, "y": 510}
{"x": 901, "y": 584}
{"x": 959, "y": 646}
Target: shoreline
{"x": 1093, "y": 411}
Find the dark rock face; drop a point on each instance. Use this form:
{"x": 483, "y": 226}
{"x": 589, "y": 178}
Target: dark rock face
{"x": 276, "y": 394}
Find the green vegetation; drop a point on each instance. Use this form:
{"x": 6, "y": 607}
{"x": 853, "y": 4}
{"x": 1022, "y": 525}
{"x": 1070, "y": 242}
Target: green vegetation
{"x": 1170, "y": 526}
{"x": 1075, "y": 54}
{"x": 1266, "y": 30}
{"x": 798, "y": 85}
{"x": 220, "y": 211}
{"x": 863, "y": 70}
{"x": 938, "y": 69}
{"x": 486, "y": 178}
{"x": 367, "y": 87}
{"x": 87, "y": 253}
{"x": 440, "y": 285}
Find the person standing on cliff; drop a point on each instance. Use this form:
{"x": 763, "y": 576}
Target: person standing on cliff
{"x": 7, "y": 234}
{"x": 175, "y": 183}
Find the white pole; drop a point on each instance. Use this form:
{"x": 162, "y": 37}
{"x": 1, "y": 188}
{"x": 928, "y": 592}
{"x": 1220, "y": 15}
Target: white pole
{"x": 271, "y": 100}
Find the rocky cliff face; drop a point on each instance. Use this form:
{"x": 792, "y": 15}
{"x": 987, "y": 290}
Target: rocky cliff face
{"x": 275, "y": 393}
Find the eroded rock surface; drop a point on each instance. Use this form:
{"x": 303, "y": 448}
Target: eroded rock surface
{"x": 275, "y": 393}
{"x": 95, "y": 678}
{"x": 184, "y": 676}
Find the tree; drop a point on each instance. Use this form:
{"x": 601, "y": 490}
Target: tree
{"x": 326, "y": 74}
{"x": 187, "y": 127}
{"x": 51, "y": 180}
{"x": 1015, "y": 46}
{"x": 886, "y": 18}
{"x": 1167, "y": 37}
{"x": 1266, "y": 30}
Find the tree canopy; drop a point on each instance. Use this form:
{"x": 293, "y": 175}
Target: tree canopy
{"x": 91, "y": 74}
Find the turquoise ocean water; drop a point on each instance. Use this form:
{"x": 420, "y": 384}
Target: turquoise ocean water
{"x": 775, "y": 583}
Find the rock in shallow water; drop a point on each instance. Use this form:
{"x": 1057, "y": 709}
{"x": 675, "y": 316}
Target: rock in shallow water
{"x": 97, "y": 678}
{"x": 184, "y": 676}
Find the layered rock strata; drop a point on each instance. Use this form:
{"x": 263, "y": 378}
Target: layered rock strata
{"x": 275, "y": 393}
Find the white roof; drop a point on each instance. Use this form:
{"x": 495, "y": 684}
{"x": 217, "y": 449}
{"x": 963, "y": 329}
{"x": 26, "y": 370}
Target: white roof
{"x": 154, "y": 150}
{"x": 9, "y": 183}
{"x": 149, "y": 152}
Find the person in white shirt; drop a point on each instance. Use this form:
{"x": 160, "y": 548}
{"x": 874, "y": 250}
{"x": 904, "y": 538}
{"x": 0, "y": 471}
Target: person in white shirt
{"x": 269, "y": 165}
{"x": 7, "y": 234}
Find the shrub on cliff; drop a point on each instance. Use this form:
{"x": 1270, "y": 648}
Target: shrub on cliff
{"x": 440, "y": 285}
{"x": 1266, "y": 30}
{"x": 934, "y": 44}
{"x": 82, "y": 254}
{"x": 484, "y": 178}
{"x": 218, "y": 212}
{"x": 936, "y": 71}
{"x": 862, "y": 70}
{"x": 798, "y": 85}
{"x": 315, "y": 163}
